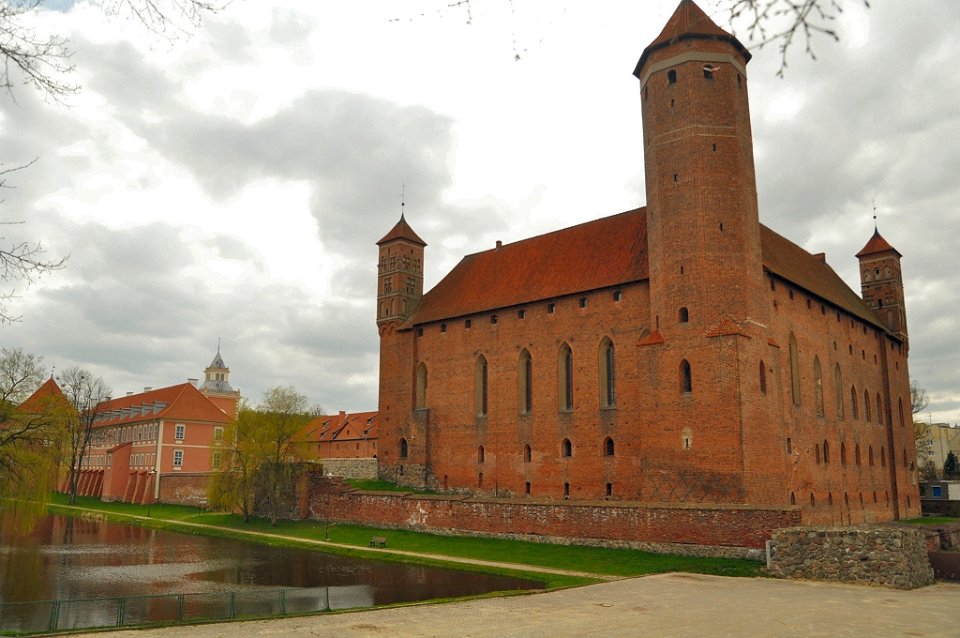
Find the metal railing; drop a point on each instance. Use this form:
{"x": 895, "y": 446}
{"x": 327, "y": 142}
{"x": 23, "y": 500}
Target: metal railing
{"x": 48, "y": 616}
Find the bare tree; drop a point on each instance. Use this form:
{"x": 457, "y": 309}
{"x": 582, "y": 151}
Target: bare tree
{"x": 918, "y": 398}
{"x": 87, "y": 394}
{"x": 784, "y": 21}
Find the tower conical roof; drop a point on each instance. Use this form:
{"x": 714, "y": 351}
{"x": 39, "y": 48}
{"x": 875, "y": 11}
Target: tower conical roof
{"x": 217, "y": 361}
{"x": 689, "y": 22}
{"x": 402, "y": 230}
{"x": 877, "y": 244}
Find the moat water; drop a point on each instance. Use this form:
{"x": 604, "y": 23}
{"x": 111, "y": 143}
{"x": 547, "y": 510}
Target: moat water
{"x": 73, "y": 558}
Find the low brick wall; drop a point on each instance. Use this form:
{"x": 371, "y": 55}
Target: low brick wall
{"x": 184, "y": 489}
{"x": 887, "y": 556}
{"x": 350, "y": 468}
{"x": 704, "y": 530}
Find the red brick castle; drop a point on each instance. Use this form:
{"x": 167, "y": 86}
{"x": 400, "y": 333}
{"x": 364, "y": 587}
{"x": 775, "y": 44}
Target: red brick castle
{"x": 681, "y": 353}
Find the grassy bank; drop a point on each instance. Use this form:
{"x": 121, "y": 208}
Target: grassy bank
{"x": 592, "y": 560}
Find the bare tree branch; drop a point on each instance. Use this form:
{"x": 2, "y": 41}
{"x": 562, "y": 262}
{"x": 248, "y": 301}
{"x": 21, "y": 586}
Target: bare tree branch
{"x": 784, "y": 21}
{"x": 20, "y": 261}
{"x": 42, "y": 60}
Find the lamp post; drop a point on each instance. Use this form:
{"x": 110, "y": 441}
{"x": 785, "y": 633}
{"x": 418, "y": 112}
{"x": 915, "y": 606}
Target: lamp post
{"x": 151, "y": 474}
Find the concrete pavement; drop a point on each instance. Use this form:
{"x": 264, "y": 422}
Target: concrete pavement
{"x": 671, "y": 605}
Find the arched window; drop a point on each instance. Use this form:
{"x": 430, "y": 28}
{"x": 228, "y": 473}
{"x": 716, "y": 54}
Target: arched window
{"x": 480, "y": 385}
{"x": 763, "y": 378}
{"x": 793, "y": 498}
{"x": 816, "y": 448}
{"x": 608, "y": 377}
{"x": 856, "y": 454}
{"x": 838, "y": 389}
{"x": 879, "y": 409}
{"x": 480, "y": 454}
{"x": 565, "y": 378}
{"x": 527, "y": 454}
{"x": 843, "y": 453}
{"x": 853, "y": 402}
{"x": 813, "y": 500}
{"x": 421, "y": 386}
{"x": 870, "y": 456}
{"x": 608, "y": 447}
{"x": 818, "y": 385}
{"x": 686, "y": 378}
{"x": 403, "y": 448}
{"x": 686, "y": 439}
{"x": 566, "y": 448}
{"x": 794, "y": 370}
{"x": 684, "y": 315}
{"x": 826, "y": 451}
{"x": 672, "y": 76}
{"x": 900, "y": 410}
{"x": 883, "y": 457}
{"x": 866, "y": 406}
{"x": 525, "y": 386}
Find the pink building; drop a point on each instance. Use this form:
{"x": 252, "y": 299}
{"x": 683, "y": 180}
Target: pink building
{"x": 344, "y": 436}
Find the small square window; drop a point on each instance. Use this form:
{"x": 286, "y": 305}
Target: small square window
{"x": 467, "y": 323}
{"x": 521, "y": 313}
{"x": 551, "y": 308}
{"x": 443, "y": 327}
{"x": 493, "y": 318}
{"x": 617, "y": 295}
{"x": 419, "y": 332}
{"x": 179, "y": 431}
{"x": 583, "y": 302}
{"x": 178, "y": 458}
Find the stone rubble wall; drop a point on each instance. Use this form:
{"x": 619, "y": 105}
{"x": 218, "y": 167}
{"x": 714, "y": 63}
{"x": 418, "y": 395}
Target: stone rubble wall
{"x": 350, "y": 468}
{"x": 885, "y": 556}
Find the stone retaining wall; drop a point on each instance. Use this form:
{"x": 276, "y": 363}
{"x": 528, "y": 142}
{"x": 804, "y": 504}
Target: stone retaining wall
{"x": 887, "y": 556}
{"x": 350, "y": 468}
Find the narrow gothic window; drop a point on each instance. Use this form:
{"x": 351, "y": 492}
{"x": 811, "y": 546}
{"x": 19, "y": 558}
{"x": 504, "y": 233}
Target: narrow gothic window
{"x": 525, "y": 389}
{"x": 403, "y": 448}
{"x": 870, "y": 456}
{"x": 853, "y": 402}
{"x": 838, "y": 389}
{"x": 565, "y": 369}
{"x": 843, "y": 453}
{"x": 686, "y": 439}
{"x": 856, "y": 454}
{"x": 608, "y": 447}
{"x": 527, "y": 454}
{"x": 480, "y": 383}
{"x": 879, "y": 409}
{"x": 900, "y": 410}
{"x": 671, "y": 76}
{"x": 566, "y": 448}
{"x": 480, "y": 454}
{"x": 816, "y": 448}
{"x": 686, "y": 378}
{"x": 607, "y": 374}
{"x": 684, "y": 315}
{"x": 826, "y": 451}
{"x": 421, "y": 386}
{"x": 866, "y": 406}
{"x": 818, "y": 385}
{"x": 763, "y": 378}
{"x": 794, "y": 369}
{"x": 883, "y": 457}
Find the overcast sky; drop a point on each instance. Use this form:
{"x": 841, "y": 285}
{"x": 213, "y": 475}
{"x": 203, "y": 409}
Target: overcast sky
{"x": 233, "y": 184}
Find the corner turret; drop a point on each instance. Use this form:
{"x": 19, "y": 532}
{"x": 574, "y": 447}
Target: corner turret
{"x": 400, "y": 273}
{"x": 881, "y": 283}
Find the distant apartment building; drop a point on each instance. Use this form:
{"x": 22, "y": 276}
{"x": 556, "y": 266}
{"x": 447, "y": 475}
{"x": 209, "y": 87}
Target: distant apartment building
{"x": 940, "y": 440}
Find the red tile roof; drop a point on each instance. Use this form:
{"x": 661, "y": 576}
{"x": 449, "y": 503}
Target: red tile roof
{"x": 603, "y": 253}
{"x": 39, "y": 400}
{"x": 689, "y": 22}
{"x": 182, "y": 401}
{"x": 343, "y": 427}
{"x": 402, "y": 230}
{"x": 877, "y": 244}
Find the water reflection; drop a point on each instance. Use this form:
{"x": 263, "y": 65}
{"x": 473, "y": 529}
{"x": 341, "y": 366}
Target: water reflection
{"x": 71, "y": 558}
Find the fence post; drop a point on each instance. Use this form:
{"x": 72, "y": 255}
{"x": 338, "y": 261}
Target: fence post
{"x": 54, "y": 615}
{"x": 121, "y": 610}
{"x": 283, "y": 601}
{"x": 328, "y": 599}
{"x": 233, "y": 605}
{"x": 180, "y": 607}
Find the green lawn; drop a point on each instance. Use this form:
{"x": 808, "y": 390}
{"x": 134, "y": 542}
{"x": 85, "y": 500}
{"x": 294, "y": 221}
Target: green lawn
{"x": 932, "y": 520}
{"x": 594, "y": 560}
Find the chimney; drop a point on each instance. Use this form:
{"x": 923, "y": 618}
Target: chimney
{"x": 499, "y": 244}
{"x": 822, "y": 257}
{"x": 147, "y": 388}
{"x": 129, "y": 394}
{"x": 193, "y": 382}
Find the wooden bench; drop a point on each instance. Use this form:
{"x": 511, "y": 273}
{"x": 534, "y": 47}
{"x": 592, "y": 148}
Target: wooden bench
{"x": 378, "y": 541}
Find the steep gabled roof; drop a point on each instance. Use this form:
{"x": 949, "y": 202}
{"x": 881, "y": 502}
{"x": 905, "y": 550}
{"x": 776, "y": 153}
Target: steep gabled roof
{"x": 877, "y": 244}
{"x": 402, "y": 230}
{"x": 343, "y": 427}
{"x": 181, "y": 401}
{"x": 603, "y": 253}
{"x": 49, "y": 392}
{"x": 689, "y": 22}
